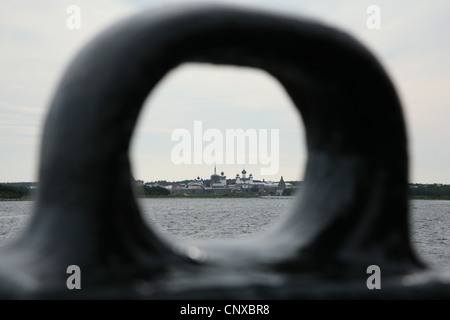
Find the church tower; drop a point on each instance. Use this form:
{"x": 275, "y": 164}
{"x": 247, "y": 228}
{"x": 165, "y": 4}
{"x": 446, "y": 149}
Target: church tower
{"x": 281, "y": 184}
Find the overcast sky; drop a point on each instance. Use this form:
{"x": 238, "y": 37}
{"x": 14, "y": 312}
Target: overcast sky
{"x": 35, "y": 46}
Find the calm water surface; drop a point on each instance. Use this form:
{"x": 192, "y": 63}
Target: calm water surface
{"x": 242, "y": 218}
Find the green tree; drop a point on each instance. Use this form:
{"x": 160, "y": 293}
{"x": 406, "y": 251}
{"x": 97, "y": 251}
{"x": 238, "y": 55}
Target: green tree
{"x": 155, "y": 191}
{"x": 8, "y": 192}
{"x": 254, "y": 189}
{"x": 429, "y": 190}
{"x": 288, "y": 192}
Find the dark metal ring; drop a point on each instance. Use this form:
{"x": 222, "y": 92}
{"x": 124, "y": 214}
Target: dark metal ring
{"x": 352, "y": 213}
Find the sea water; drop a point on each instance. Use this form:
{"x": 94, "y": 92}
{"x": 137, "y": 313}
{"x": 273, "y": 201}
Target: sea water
{"x": 212, "y": 218}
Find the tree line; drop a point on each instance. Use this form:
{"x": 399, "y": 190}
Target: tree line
{"x": 151, "y": 191}
{"x": 10, "y": 192}
{"x": 437, "y": 191}
{"x": 416, "y": 190}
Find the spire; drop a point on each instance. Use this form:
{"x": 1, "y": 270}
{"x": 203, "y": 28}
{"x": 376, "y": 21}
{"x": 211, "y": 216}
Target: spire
{"x": 214, "y": 169}
{"x": 281, "y": 184}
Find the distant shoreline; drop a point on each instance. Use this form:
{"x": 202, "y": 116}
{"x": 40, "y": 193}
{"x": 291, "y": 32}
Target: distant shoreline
{"x": 18, "y": 199}
{"x": 429, "y": 198}
{"x": 445, "y": 198}
{"x": 235, "y": 196}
